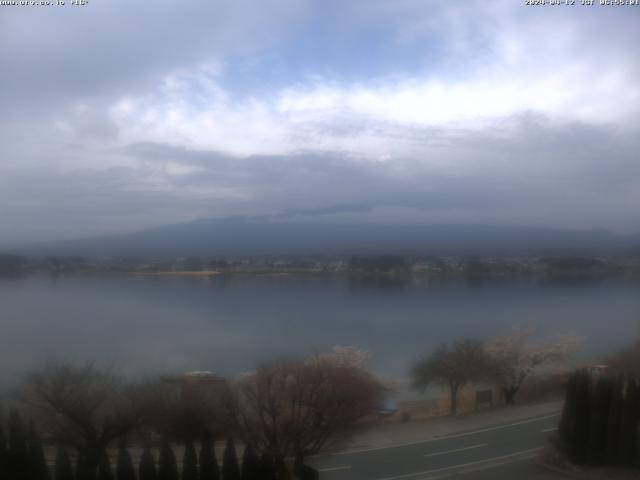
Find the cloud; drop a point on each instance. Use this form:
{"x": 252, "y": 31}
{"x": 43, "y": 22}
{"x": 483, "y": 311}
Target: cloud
{"x": 534, "y": 174}
{"x": 130, "y": 116}
{"x": 106, "y": 48}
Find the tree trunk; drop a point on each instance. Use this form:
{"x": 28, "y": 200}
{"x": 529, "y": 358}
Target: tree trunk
{"x": 454, "y": 398}
{"x": 509, "y": 395}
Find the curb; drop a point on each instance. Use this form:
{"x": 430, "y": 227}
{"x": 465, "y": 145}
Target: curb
{"x": 578, "y": 474}
{"x": 552, "y": 468}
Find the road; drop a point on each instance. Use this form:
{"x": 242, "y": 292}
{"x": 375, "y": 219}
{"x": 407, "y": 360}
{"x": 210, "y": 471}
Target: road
{"x": 495, "y": 452}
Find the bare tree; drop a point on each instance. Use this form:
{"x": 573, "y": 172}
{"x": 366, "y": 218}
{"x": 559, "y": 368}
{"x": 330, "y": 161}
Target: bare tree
{"x": 185, "y": 407}
{"x": 453, "y": 365}
{"x": 83, "y": 406}
{"x": 515, "y": 359}
{"x": 293, "y": 408}
{"x": 625, "y": 361}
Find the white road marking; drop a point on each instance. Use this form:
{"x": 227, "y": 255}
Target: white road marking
{"x": 467, "y": 464}
{"x": 444, "y": 452}
{"x": 334, "y": 469}
{"x": 492, "y": 465}
{"x": 437, "y": 439}
{"x": 547, "y": 430}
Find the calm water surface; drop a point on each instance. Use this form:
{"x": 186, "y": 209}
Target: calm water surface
{"x": 228, "y": 325}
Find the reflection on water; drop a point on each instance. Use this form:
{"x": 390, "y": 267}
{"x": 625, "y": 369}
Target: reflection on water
{"x": 381, "y": 284}
{"x": 228, "y": 324}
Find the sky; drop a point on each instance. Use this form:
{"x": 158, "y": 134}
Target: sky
{"x": 119, "y": 116}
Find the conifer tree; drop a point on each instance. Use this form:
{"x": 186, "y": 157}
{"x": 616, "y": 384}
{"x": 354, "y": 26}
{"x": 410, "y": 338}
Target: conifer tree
{"x": 267, "y": 467}
{"x": 37, "y": 462}
{"x": 613, "y": 422}
{"x": 230, "y": 468}
{"x": 84, "y": 471}
{"x": 633, "y": 458}
{"x": 567, "y": 419}
{"x": 189, "y": 462}
{"x": 304, "y": 472}
{"x": 18, "y": 455}
{"x": 600, "y": 406}
{"x": 583, "y": 407}
{"x": 4, "y": 452}
{"x": 628, "y": 438}
{"x": 104, "y": 467}
{"x": 147, "y": 467}
{"x": 79, "y": 469}
{"x": 167, "y": 465}
{"x": 63, "y": 469}
{"x": 250, "y": 464}
{"x": 574, "y": 424}
{"x": 124, "y": 469}
{"x": 209, "y": 469}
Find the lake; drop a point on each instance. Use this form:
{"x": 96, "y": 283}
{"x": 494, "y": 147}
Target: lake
{"x": 230, "y": 324}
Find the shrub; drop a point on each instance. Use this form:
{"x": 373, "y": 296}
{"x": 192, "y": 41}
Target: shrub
{"x": 37, "y": 463}
{"x": 189, "y": 462}
{"x": 250, "y": 464}
{"x": 167, "y": 465}
{"x": 125, "y": 470}
{"x": 599, "y": 423}
{"x": 230, "y": 468}
{"x": 63, "y": 469}
{"x": 18, "y": 454}
{"x": 104, "y": 467}
{"x": 208, "y": 462}
{"x": 147, "y": 467}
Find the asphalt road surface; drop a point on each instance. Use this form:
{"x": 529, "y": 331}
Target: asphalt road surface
{"x": 501, "y": 451}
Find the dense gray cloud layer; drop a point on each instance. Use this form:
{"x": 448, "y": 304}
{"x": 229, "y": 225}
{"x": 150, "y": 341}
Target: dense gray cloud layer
{"x": 118, "y": 117}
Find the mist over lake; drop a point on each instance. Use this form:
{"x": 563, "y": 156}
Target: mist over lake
{"x": 231, "y": 324}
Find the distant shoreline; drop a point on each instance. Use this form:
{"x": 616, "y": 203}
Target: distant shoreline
{"x": 216, "y": 273}
{"x": 375, "y": 267}
{"x": 185, "y": 273}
